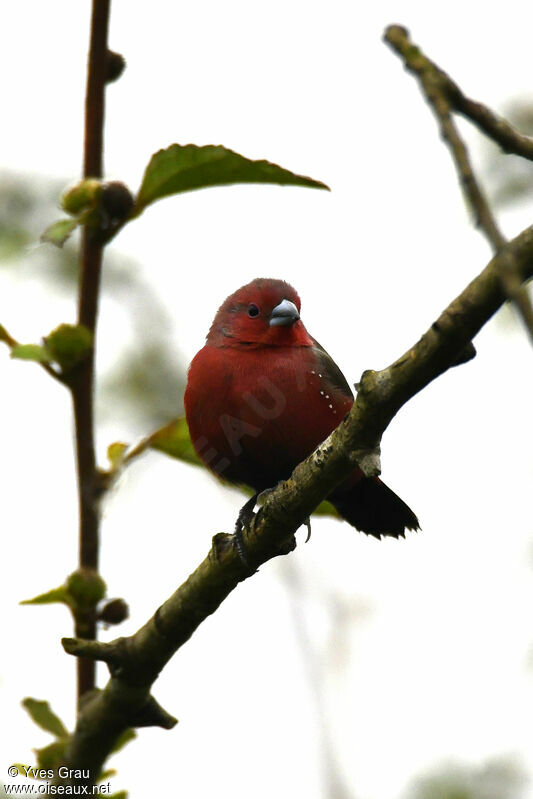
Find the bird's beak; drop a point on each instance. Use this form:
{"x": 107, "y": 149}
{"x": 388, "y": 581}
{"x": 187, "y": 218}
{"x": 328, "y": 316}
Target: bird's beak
{"x": 286, "y": 313}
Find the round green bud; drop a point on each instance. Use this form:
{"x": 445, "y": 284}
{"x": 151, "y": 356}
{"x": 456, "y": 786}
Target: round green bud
{"x": 86, "y": 587}
{"x": 84, "y": 195}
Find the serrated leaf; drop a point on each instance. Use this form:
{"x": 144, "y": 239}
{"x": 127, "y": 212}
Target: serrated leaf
{"x": 123, "y": 739}
{"x": 68, "y": 344}
{"x": 60, "y": 594}
{"x": 31, "y": 352}
{"x": 44, "y": 717}
{"x": 188, "y": 167}
{"x": 115, "y": 453}
{"x": 174, "y": 440}
{"x": 58, "y": 232}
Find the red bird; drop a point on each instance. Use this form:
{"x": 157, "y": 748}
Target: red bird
{"x": 262, "y": 394}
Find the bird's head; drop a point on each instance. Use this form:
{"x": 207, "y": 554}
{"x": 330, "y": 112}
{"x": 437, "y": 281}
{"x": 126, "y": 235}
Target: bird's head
{"x": 264, "y": 313}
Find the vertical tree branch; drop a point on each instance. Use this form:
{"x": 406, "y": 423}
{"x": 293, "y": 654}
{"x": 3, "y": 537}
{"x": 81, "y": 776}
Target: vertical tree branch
{"x": 82, "y": 384}
{"x": 95, "y": 96}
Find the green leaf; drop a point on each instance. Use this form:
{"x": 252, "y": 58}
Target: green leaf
{"x": 119, "y": 795}
{"x": 68, "y": 345}
{"x": 174, "y": 440}
{"x": 187, "y": 167}
{"x": 123, "y": 739}
{"x": 58, "y": 232}
{"x": 44, "y": 717}
{"x": 31, "y": 352}
{"x": 60, "y": 594}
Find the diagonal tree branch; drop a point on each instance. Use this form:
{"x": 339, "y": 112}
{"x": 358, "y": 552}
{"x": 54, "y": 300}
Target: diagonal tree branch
{"x": 136, "y": 661}
{"x": 495, "y": 127}
{"x": 444, "y": 96}
{"x": 433, "y": 83}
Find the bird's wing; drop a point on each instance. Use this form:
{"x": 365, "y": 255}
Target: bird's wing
{"x": 330, "y": 368}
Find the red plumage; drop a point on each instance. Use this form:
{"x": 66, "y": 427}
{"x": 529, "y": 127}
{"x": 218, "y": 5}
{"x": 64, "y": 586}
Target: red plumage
{"x": 262, "y": 394}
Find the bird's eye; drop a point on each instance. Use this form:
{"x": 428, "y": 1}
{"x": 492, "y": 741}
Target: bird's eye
{"x": 253, "y": 310}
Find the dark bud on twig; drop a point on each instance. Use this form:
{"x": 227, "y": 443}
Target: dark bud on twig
{"x": 117, "y": 201}
{"x": 114, "y": 611}
{"x": 116, "y": 64}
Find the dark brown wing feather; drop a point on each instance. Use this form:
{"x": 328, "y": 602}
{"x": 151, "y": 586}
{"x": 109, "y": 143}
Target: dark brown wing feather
{"x": 330, "y": 368}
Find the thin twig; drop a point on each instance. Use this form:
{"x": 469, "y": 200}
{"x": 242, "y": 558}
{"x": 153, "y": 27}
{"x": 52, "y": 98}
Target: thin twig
{"x": 445, "y": 96}
{"x": 12, "y": 342}
{"x": 495, "y": 127}
{"x": 82, "y": 380}
{"x": 140, "y": 447}
{"x": 434, "y": 84}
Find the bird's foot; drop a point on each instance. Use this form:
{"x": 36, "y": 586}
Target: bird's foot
{"x": 263, "y": 496}
{"x": 244, "y": 519}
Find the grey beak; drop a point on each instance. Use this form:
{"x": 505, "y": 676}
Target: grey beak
{"x": 286, "y": 313}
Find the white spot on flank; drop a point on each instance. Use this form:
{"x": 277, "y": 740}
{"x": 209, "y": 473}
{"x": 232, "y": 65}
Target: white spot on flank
{"x": 330, "y": 406}
{"x": 322, "y": 393}
{"x": 313, "y": 372}
{"x": 319, "y": 374}
{"x": 327, "y": 396}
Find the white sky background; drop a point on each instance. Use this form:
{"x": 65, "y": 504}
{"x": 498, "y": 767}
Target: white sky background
{"x": 436, "y": 666}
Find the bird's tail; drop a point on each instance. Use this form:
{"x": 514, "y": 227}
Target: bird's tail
{"x": 371, "y": 506}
